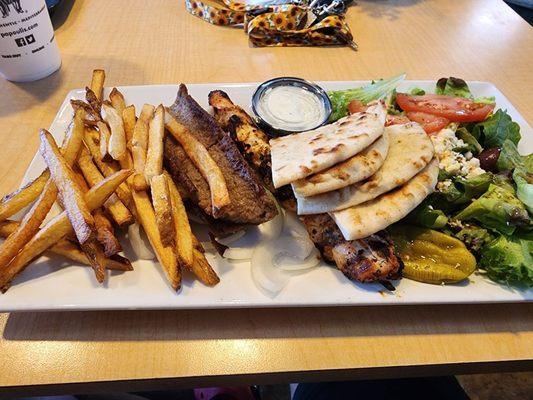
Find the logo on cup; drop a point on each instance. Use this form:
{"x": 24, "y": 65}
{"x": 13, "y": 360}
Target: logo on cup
{"x": 4, "y": 7}
{"x": 20, "y": 42}
{"x": 24, "y": 41}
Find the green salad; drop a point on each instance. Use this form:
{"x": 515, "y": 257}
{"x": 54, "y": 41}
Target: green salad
{"x": 484, "y": 196}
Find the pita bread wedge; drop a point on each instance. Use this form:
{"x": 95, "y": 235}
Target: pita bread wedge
{"x": 410, "y": 150}
{"x": 353, "y": 170}
{"x": 297, "y": 156}
{"x": 368, "y": 218}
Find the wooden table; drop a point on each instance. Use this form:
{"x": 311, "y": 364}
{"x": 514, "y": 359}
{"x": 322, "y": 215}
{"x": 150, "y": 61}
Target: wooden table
{"x": 140, "y": 42}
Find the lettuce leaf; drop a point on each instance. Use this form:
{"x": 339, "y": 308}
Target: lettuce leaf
{"x": 485, "y": 100}
{"x": 376, "y": 90}
{"x": 427, "y": 216}
{"x": 453, "y": 87}
{"x": 474, "y": 237}
{"x": 510, "y": 160}
{"x": 496, "y": 129}
{"x": 459, "y": 88}
{"x": 417, "y": 92}
{"x": 509, "y": 157}
{"x": 509, "y": 260}
{"x": 463, "y": 190}
{"x": 497, "y": 209}
{"x": 528, "y": 162}
{"x": 524, "y": 187}
{"x": 471, "y": 143}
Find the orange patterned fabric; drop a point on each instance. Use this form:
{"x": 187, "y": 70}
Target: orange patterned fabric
{"x": 277, "y": 25}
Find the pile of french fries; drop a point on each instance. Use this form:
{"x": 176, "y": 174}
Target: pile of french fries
{"x": 107, "y": 174}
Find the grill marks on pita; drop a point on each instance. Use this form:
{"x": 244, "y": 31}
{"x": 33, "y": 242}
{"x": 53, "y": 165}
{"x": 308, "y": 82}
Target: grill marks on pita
{"x": 367, "y": 218}
{"x": 353, "y": 170}
{"x": 409, "y": 152}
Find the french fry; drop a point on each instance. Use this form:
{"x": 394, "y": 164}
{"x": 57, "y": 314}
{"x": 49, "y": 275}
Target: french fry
{"x": 36, "y": 215}
{"x": 74, "y": 139}
{"x": 30, "y": 224}
{"x": 117, "y": 141}
{"x": 154, "y": 153}
{"x": 165, "y": 255}
{"x": 93, "y": 101}
{"x": 117, "y": 100}
{"x": 69, "y": 250}
{"x": 108, "y": 168}
{"x": 63, "y": 177}
{"x": 91, "y": 117}
{"x": 95, "y": 254}
{"x": 105, "y": 135}
{"x": 162, "y": 208}
{"x": 17, "y": 200}
{"x": 119, "y": 263}
{"x": 203, "y": 271}
{"x": 203, "y": 161}
{"x": 138, "y": 182}
{"x": 91, "y": 141}
{"x": 97, "y": 83}
{"x": 57, "y": 228}
{"x": 184, "y": 235}
{"x": 139, "y": 146}
{"x": 120, "y": 213}
{"x": 105, "y": 234}
{"x": 128, "y": 118}
{"x": 126, "y": 162}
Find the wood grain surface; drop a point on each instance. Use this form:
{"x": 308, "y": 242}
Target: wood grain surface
{"x": 140, "y": 42}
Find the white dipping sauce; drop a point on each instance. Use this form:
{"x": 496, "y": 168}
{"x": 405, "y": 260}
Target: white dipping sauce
{"x": 291, "y": 108}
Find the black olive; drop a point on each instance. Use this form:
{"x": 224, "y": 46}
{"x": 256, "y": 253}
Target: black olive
{"x": 488, "y": 158}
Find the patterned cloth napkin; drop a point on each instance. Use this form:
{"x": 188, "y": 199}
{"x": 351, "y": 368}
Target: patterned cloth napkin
{"x": 278, "y": 24}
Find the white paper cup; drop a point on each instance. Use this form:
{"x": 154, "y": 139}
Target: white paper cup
{"x": 28, "y": 48}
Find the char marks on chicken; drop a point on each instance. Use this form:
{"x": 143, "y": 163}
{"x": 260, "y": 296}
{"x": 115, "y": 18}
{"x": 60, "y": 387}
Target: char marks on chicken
{"x": 251, "y": 141}
{"x": 365, "y": 260}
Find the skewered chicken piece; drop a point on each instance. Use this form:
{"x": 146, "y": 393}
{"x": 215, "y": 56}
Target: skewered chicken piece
{"x": 365, "y": 260}
{"x": 251, "y": 141}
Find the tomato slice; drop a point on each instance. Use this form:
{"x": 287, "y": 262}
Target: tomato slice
{"x": 431, "y": 123}
{"x": 456, "y": 109}
{"x": 356, "y": 106}
{"x": 396, "y": 120}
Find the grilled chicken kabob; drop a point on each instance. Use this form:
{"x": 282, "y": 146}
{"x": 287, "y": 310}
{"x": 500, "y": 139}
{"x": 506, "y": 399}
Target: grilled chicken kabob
{"x": 371, "y": 259}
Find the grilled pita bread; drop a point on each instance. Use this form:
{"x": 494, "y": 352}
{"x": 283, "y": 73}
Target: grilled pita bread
{"x": 353, "y": 170}
{"x": 300, "y": 155}
{"x": 368, "y": 218}
{"x": 410, "y": 150}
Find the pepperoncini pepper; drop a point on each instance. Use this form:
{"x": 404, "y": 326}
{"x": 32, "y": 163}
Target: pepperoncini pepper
{"x": 430, "y": 256}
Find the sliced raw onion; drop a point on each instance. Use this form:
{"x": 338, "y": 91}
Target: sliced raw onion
{"x": 238, "y": 253}
{"x": 272, "y": 229}
{"x": 288, "y": 263}
{"x": 293, "y": 246}
{"x": 226, "y": 241}
{"x": 293, "y": 226}
{"x": 264, "y": 274}
{"x": 271, "y": 260}
{"x": 243, "y": 245}
{"x": 139, "y": 243}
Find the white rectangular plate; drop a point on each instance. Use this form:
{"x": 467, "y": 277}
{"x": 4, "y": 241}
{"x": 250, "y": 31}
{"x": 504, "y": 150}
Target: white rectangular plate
{"x": 56, "y": 285}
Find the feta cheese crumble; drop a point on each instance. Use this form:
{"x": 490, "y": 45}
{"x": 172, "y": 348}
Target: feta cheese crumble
{"x": 453, "y": 162}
